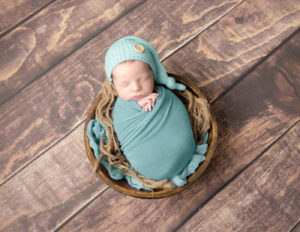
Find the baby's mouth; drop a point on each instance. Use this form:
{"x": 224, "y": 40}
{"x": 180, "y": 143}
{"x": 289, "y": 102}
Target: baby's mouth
{"x": 138, "y": 97}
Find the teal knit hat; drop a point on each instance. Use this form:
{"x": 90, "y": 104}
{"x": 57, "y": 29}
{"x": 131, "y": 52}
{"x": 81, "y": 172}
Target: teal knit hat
{"x": 134, "y": 48}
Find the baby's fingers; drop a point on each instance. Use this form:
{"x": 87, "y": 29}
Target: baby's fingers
{"x": 152, "y": 96}
{"x": 147, "y": 108}
{"x": 153, "y": 101}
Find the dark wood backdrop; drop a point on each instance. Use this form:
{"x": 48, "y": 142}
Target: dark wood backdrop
{"x": 245, "y": 56}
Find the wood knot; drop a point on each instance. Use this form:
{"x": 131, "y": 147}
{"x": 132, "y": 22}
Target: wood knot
{"x": 239, "y": 20}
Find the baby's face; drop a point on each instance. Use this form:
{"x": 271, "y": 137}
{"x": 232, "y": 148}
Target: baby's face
{"x": 133, "y": 80}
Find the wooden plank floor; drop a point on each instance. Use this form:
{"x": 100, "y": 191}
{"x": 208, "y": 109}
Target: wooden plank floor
{"x": 245, "y": 56}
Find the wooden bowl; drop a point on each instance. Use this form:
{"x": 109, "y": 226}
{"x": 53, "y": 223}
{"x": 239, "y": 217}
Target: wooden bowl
{"x": 122, "y": 185}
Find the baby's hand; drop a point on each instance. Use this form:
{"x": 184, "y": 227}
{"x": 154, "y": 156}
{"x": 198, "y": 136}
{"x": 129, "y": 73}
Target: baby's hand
{"x": 148, "y": 102}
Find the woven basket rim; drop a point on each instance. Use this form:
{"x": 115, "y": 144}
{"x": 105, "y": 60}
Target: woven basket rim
{"x": 121, "y": 185}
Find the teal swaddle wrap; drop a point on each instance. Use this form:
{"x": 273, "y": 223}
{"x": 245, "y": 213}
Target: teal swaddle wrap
{"x": 158, "y": 144}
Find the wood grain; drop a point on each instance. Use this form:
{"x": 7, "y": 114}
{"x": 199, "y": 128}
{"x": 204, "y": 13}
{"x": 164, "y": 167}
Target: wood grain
{"x": 239, "y": 41}
{"x": 265, "y": 197}
{"x": 50, "y": 190}
{"x": 52, "y": 105}
{"x": 116, "y": 210}
{"x": 55, "y": 32}
{"x": 251, "y": 117}
{"x": 268, "y": 101}
{"x": 15, "y": 11}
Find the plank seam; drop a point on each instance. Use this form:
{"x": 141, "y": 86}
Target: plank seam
{"x": 74, "y": 214}
{"x": 25, "y": 19}
{"x": 295, "y": 228}
{"x": 235, "y": 176}
{"x": 77, "y": 47}
{"x": 250, "y": 70}
{"x": 40, "y": 154}
{"x": 200, "y": 32}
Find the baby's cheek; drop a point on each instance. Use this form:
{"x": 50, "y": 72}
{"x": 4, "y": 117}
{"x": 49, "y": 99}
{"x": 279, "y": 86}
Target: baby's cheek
{"x": 124, "y": 94}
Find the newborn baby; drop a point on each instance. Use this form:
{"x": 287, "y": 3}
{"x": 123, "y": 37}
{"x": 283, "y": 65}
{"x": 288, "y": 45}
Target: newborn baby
{"x": 152, "y": 124}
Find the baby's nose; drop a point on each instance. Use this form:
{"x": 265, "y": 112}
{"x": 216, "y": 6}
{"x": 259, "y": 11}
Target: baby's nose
{"x": 136, "y": 86}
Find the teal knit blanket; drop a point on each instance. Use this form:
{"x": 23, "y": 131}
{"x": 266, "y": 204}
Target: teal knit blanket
{"x": 159, "y": 144}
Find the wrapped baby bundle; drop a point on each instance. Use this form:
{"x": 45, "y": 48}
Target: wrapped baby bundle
{"x": 157, "y": 148}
